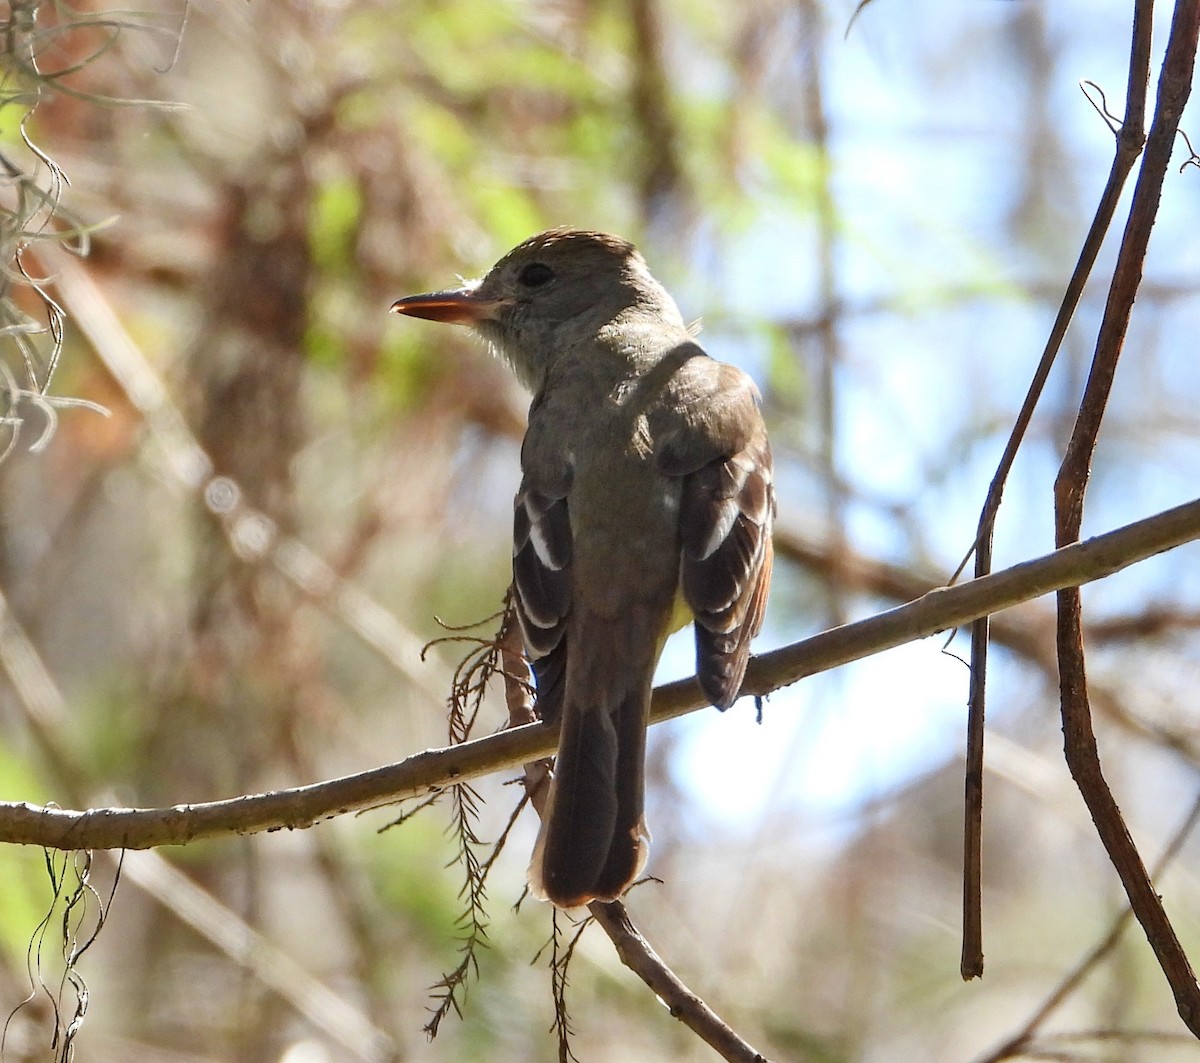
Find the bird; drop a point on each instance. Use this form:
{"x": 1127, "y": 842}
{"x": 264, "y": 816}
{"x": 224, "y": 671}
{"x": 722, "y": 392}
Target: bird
{"x": 646, "y": 500}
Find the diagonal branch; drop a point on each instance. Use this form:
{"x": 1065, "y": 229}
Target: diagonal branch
{"x": 638, "y": 955}
{"x": 1079, "y": 739}
{"x": 939, "y": 610}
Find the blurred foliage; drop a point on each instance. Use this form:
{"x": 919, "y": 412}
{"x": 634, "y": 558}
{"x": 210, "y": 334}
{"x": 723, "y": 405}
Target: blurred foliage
{"x": 878, "y": 225}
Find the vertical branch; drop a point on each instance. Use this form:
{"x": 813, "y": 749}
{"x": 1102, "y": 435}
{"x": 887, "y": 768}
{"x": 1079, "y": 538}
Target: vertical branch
{"x": 1078, "y": 735}
{"x": 1130, "y": 138}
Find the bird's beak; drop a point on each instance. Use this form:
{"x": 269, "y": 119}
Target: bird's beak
{"x": 458, "y": 306}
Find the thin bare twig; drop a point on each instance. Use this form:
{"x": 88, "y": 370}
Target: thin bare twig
{"x": 1082, "y": 755}
{"x": 472, "y": 678}
{"x": 1193, "y": 159}
{"x": 560, "y": 966}
{"x": 1130, "y": 138}
{"x": 638, "y": 955}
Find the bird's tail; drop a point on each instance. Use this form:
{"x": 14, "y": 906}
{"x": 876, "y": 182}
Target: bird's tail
{"x": 593, "y": 841}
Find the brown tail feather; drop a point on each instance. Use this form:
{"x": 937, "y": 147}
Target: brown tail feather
{"x": 593, "y": 841}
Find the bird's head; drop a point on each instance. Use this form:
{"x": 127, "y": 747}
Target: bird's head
{"x": 549, "y": 294}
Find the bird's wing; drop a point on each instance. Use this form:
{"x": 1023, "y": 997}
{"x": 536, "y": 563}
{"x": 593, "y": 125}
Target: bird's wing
{"x": 713, "y": 437}
{"x": 542, "y": 577}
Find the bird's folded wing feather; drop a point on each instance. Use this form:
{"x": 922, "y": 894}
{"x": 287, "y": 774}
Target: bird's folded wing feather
{"x": 542, "y": 581}
{"x": 713, "y": 437}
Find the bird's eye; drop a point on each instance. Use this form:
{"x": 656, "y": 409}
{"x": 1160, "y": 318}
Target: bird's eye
{"x": 535, "y": 275}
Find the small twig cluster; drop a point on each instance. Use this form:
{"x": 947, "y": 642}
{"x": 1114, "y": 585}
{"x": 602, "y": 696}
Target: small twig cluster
{"x": 44, "y": 48}
{"x": 469, "y": 686}
{"x": 561, "y": 947}
{"x": 31, "y": 210}
{"x": 83, "y": 914}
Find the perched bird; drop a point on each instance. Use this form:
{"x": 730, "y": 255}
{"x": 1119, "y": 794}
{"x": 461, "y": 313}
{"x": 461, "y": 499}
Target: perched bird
{"x": 646, "y": 500}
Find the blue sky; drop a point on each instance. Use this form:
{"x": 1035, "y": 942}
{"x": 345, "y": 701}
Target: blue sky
{"x": 930, "y": 117}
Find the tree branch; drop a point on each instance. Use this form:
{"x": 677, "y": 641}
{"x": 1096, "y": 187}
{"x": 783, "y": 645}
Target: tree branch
{"x": 939, "y": 610}
{"x": 638, "y": 955}
{"x": 1079, "y": 739}
{"x": 1130, "y": 138}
